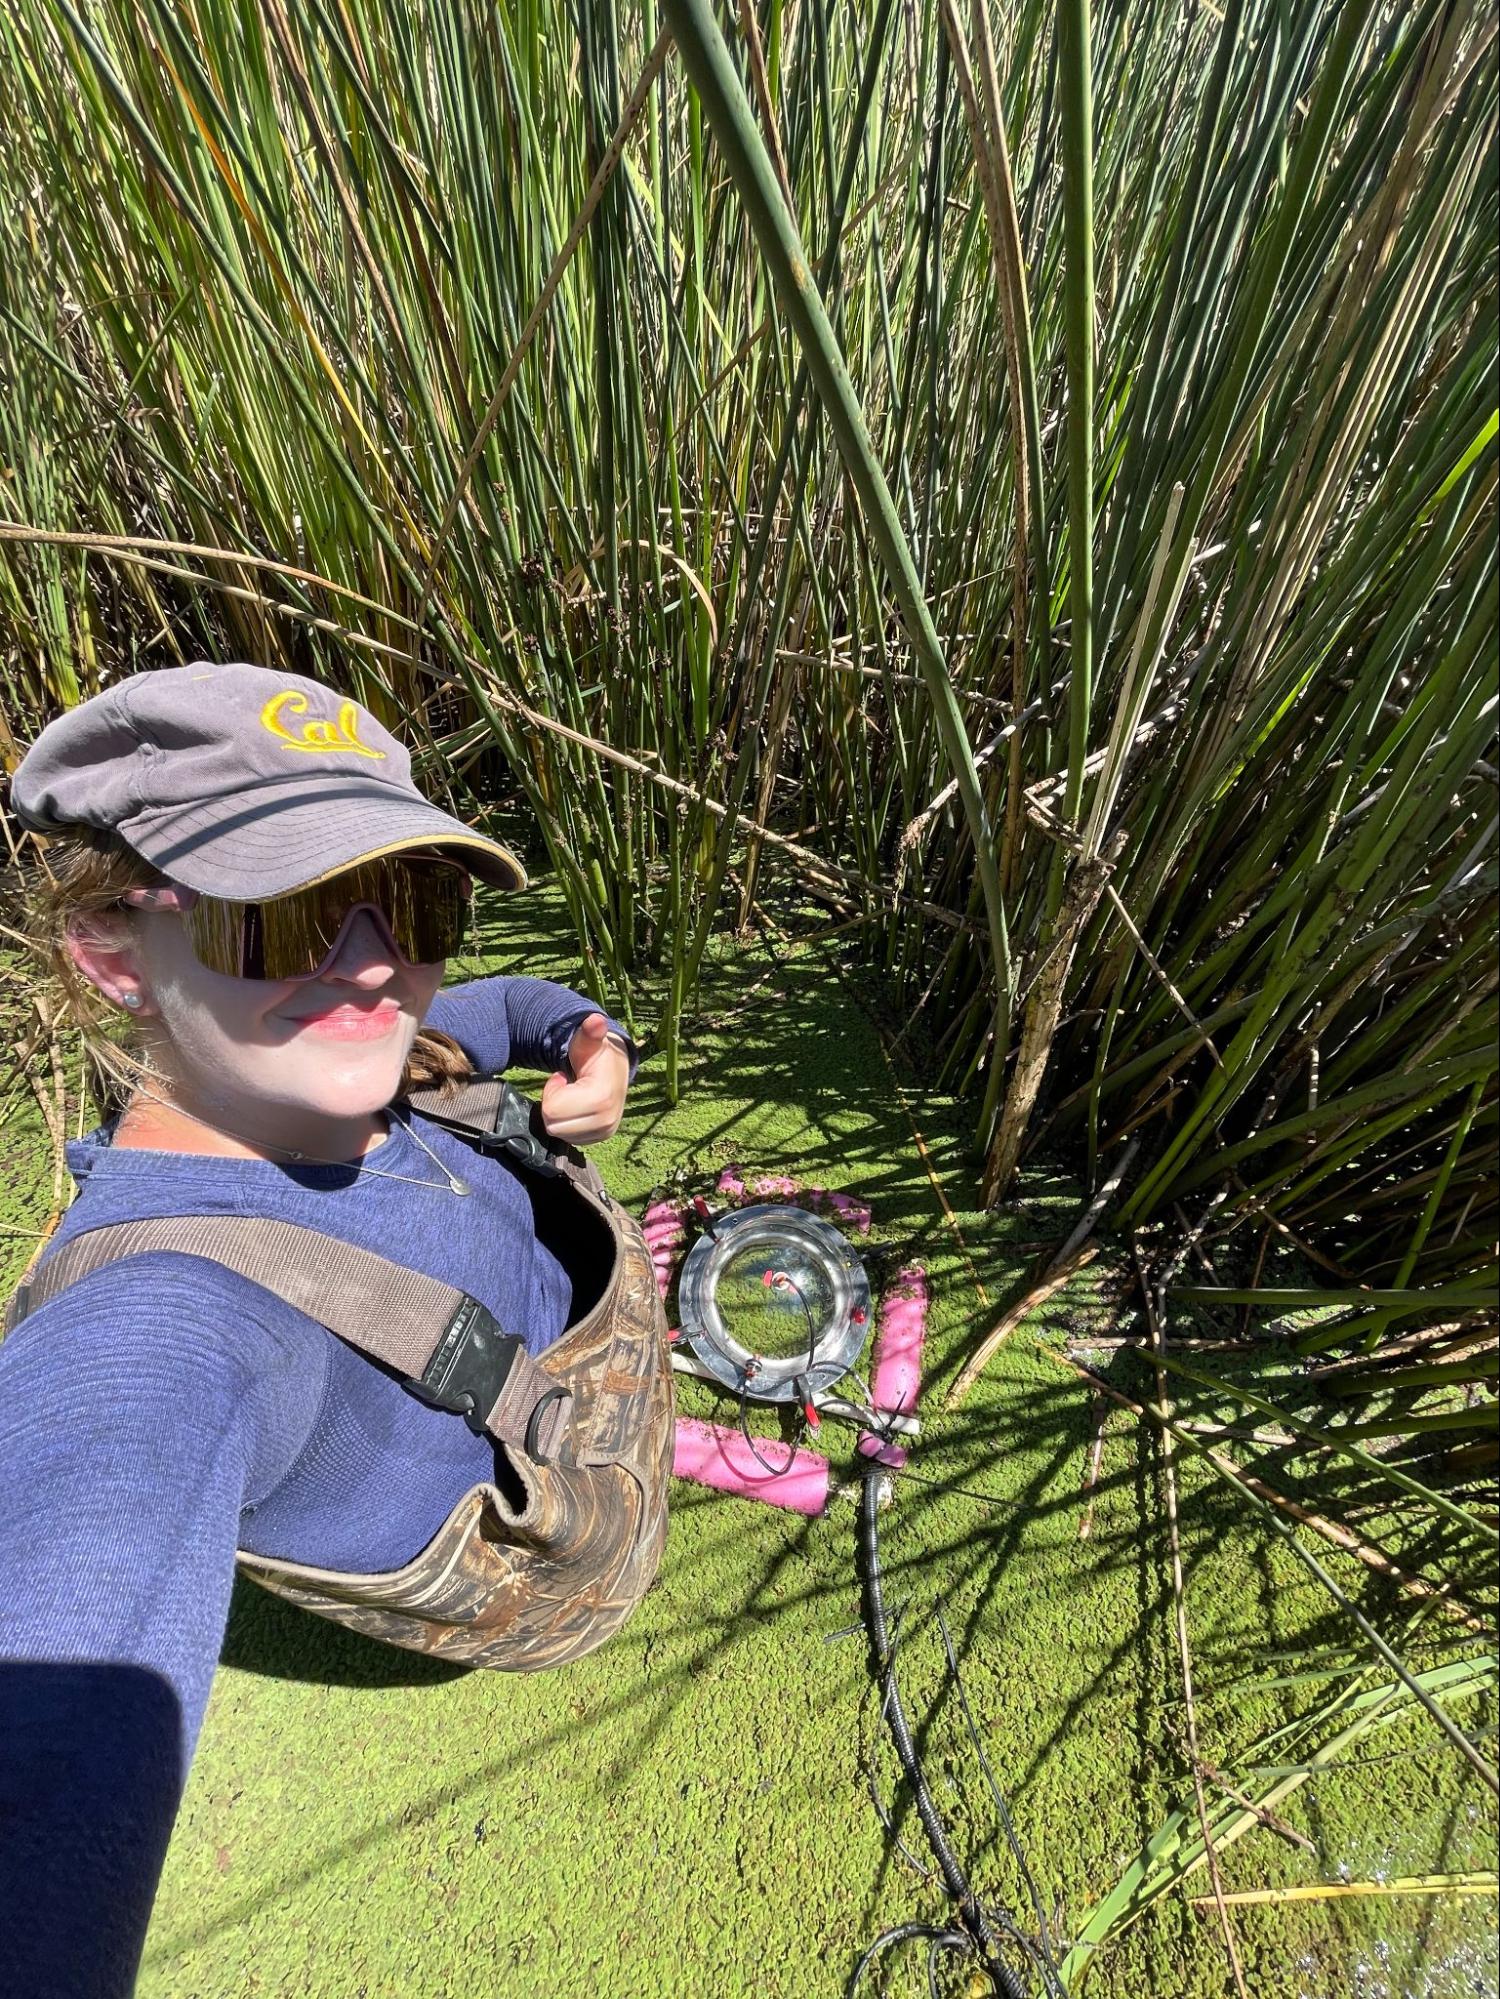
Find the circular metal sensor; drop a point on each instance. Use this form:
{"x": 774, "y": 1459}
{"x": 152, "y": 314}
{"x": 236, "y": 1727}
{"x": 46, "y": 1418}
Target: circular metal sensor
{"x": 774, "y": 1303}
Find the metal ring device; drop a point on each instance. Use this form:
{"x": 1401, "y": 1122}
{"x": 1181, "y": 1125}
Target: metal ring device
{"x": 805, "y": 1267}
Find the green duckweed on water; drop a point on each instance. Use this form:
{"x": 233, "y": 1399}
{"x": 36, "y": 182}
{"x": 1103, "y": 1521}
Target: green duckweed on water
{"x": 687, "y": 1812}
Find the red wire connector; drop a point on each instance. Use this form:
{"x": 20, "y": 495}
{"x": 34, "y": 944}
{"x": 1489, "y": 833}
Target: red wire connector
{"x": 804, "y": 1392}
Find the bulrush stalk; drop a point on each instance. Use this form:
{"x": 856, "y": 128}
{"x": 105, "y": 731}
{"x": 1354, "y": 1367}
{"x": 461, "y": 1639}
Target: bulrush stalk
{"x": 707, "y": 60}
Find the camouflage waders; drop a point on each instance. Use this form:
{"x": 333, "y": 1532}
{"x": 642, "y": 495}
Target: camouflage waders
{"x": 546, "y": 1562}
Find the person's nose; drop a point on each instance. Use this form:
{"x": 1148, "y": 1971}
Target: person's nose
{"x": 365, "y": 954}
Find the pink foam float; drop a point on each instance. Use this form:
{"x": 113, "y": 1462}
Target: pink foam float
{"x": 896, "y": 1375}
{"x": 664, "y": 1226}
{"x": 855, "y": 1214}
{"x": 777, "y": 1187}
{"x": 901, "y": 1330}
{"x": 757, "y": 1187}
{"x": 714, "y": 1456}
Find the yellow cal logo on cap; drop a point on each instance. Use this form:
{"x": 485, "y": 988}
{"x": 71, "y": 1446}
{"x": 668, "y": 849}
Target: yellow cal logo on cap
{"x": 316, "y": 735}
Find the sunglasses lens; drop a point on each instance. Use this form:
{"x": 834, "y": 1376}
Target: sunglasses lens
{"x": 425, "y": 903}
{"x": 217, "y": 932}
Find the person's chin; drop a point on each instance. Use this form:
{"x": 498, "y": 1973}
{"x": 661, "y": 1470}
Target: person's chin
{"x": 348, "y": 1078}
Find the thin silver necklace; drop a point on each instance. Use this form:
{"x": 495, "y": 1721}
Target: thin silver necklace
{"x": 450, "y": 1181}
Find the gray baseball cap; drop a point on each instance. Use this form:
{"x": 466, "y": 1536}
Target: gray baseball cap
{"x": 240, "y": 782}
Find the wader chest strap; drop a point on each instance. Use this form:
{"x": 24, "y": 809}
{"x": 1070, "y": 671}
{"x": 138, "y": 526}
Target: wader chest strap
{"x": 496, "y": 1117}
{"x": 447, "y": 1346}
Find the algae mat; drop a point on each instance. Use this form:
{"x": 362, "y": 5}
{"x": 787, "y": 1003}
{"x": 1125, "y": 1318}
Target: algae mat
{"x": 687, "y": 1812}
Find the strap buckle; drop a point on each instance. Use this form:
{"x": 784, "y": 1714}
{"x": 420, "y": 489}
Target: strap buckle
{"x": 470, "y": 1365}
{"x": 516, "y": 1119}
{"x": 484, "y": 1374}
{"x": 517, "y": 1130}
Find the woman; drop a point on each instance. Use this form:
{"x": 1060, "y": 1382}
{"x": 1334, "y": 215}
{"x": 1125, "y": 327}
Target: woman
{"x": 244, "y": 871}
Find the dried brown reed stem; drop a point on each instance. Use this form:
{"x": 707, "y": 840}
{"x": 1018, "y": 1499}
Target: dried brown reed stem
{"x": 997, "y": 189}
{"x": 1328, "y": 1530}
{"x": 1091, "y": 1467}
{"x": 1263, "y": 1813}
{"x": 1206, "y": 1040}
{"x": 1043, "y": 1012}
{"x": 750, "y": 29}
{"x": 1483, "y": 1883}
{"x": 1048, "y": 1285}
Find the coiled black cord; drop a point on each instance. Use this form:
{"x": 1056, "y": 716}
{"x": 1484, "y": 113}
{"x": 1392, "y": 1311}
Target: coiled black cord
{"x": 938, "y": 1939}
{"x": 977, "y": 1935}
{"x": 779, "y": 1471}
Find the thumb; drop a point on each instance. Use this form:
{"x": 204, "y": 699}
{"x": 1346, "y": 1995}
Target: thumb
{"x": 588, "y": 1038}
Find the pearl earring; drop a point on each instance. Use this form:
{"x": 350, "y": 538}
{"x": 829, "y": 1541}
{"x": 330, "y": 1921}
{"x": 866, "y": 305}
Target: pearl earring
{"x": 131, "y": 999}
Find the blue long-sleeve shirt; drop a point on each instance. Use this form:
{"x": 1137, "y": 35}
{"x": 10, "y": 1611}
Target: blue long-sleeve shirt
{"x": 162, "y": 1412}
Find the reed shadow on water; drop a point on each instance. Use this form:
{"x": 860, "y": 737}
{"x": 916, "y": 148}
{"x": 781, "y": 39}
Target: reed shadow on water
{"x": 982, "y": 1509}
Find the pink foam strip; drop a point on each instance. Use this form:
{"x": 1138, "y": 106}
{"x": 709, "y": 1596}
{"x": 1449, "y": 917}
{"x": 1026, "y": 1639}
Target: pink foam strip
{"x": 896, "y": 1377}
{"x": 854, "y": 1214}
{"x": 759, "y": 1186}
{"x": 883, "y": 1453}
{"x": 720, "y": 1458}
{"x": 738, "y": 1186}
{"x": 665, "y": 1229}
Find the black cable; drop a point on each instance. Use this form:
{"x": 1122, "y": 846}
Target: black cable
{"x": 771, "y": 1471}
{"x": 887, "y": 1819}
{"x": 980, "y": 1937}
{"x": 780, "y": 1471}
{"x": 903, "y": 1933}
{"x": 977, "y": 1937}
{"x": 954, "y": 1940}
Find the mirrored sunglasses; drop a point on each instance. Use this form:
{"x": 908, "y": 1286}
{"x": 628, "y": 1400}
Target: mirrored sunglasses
{"x": 423, "y": 902}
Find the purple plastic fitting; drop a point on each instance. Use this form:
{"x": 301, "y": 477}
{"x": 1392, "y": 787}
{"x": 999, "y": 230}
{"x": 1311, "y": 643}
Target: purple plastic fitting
{"x": 884, "y": 1454}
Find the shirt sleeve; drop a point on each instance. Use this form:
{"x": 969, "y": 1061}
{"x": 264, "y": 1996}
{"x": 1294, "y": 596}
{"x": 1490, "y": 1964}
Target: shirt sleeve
{"x": 502, "y": 1023}
{"x": 131, "y": 1434}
